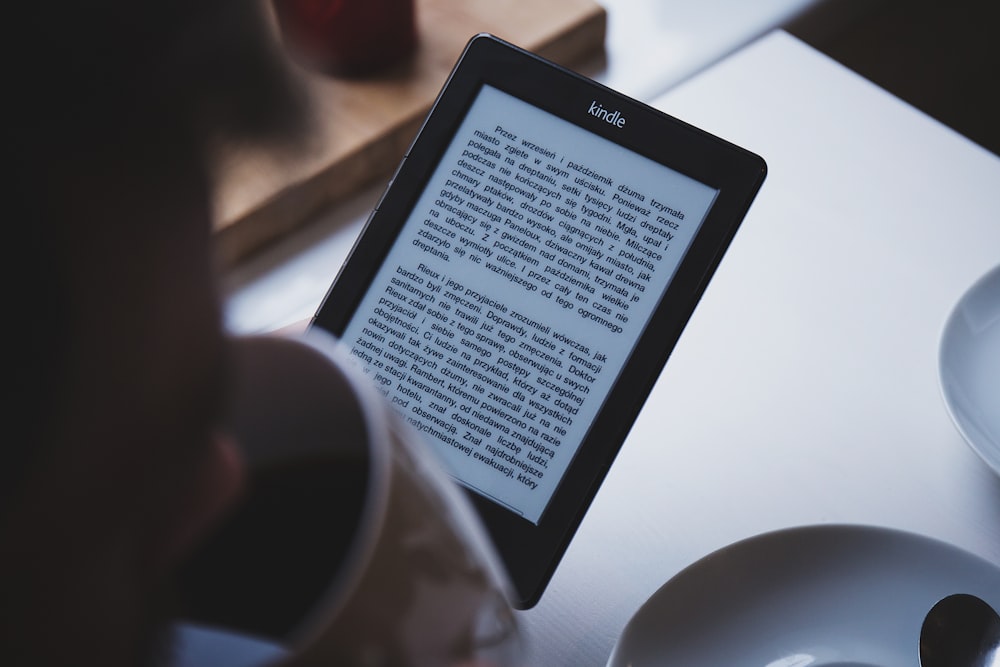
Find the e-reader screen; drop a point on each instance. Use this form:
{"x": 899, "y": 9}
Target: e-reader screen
{"x": 516, "y": 290}
{"x": 505, "y": 305}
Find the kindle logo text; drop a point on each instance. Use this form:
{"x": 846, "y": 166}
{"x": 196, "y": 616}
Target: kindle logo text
{"x": 610, "y": 117}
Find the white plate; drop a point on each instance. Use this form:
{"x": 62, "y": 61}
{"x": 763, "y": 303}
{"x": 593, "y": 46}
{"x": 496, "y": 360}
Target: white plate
{"x": 969, "y": 365}
{"x": 820, "y": 595}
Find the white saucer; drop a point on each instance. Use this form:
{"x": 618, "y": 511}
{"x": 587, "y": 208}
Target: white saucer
{"x": 822, "y": 595}
{"x": 969, "y": 365}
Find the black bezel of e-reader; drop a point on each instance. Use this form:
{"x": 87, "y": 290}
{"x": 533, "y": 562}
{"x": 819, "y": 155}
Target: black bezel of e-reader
{"x": 532, "y": 551}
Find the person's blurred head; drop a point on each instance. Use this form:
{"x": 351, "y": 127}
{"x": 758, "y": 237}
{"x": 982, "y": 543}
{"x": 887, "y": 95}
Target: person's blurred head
{"x": 113, "y": 463}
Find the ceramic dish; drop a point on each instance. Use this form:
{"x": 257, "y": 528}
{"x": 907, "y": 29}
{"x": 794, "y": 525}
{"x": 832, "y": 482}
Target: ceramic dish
{"x": 969, "y": 366}
{"x": 822, "y": 595}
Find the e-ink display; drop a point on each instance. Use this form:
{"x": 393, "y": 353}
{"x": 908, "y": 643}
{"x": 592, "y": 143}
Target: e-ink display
{"x": 516, "y": 291}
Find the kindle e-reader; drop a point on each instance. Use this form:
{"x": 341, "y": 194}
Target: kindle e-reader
{"x": 523, "y": 279}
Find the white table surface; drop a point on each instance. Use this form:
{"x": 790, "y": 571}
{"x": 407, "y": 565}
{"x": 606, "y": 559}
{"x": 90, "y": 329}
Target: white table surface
{"x": 804, "y": 389}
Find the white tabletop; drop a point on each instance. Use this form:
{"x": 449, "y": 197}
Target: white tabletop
{"x": 804, "y": 389}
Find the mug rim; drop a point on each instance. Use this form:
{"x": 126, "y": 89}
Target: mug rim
{"x": 375, "y": 508}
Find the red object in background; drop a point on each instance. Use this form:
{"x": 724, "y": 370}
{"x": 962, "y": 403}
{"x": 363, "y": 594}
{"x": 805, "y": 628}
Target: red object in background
{"x": 348, "y": 37}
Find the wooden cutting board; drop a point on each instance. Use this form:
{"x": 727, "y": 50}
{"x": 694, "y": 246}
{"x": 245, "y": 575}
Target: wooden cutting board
{"x": 364, "y": 126}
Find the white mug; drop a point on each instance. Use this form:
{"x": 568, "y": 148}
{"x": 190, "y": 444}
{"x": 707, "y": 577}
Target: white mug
{"x": 352, "y": 546}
